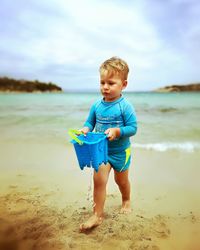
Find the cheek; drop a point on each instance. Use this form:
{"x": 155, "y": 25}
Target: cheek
{"x": 117, "y": 89}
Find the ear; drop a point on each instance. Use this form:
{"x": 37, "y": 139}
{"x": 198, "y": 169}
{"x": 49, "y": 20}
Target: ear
{"x": 125, "y": 83}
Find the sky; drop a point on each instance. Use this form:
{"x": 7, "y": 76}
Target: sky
{"x": 65, "y": 42}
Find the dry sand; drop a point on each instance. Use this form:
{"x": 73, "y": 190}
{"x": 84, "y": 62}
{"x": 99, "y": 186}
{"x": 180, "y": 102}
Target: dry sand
{"x": 43, "y": 208}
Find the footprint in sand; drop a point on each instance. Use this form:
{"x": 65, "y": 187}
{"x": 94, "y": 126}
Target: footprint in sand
{"x": 193, "y": 218}
{"x": 35, "y": 188}
{"x": 21, "y": 175}
{"x": 160, "y": 227}
{"x": 111, "y": 196}
{"x": 162, "y": 231}
{"x": 13, "y": 186}
{"x": 144, "y": 245}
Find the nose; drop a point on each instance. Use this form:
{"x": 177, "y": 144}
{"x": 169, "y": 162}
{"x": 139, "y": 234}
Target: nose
{"x": 106, "y": 86}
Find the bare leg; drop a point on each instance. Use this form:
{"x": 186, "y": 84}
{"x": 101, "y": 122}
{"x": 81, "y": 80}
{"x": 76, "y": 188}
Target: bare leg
{"x": 100, "y": 181}
{"x": 121, "y": 178}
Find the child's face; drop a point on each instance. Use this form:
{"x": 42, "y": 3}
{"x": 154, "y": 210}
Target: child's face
{"x": 111, "y": 85}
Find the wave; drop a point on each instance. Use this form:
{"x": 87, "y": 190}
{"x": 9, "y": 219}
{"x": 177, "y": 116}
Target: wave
{"x": 165, "y": 146}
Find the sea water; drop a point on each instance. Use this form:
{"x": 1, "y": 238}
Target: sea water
{"x": 166, "y": 121}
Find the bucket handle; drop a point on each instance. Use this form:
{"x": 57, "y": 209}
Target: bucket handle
{"x": 73, "y": 134}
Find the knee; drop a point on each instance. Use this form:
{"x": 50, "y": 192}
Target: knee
{"x": 121, "y": 182}
{"x": 100, "y": 181}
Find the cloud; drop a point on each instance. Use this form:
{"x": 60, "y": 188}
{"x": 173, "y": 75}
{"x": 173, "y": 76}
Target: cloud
{"x": 65, "y": 41}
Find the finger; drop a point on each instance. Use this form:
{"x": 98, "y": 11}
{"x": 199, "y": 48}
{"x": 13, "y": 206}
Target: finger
{"x": 110, "y": 134}
{"x": 82, "y": 132}
{"x": 107, "y": 131}
{"x": 110, "y": 138}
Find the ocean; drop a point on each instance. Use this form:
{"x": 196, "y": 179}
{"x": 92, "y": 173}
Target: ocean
{"x": 166, "y": 121}
{"x": 41, "y": 183}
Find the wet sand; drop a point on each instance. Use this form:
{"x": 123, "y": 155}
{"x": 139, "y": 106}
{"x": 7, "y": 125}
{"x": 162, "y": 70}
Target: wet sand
{"x": 43, "y": 200}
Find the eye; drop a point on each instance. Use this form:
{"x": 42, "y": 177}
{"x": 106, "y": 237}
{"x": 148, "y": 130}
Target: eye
{"x": 111, "y": 83}
{"x": 102, "y": 83}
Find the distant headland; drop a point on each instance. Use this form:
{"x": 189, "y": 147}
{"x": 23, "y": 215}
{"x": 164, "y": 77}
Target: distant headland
{"x": 25, "y": 86}
{"x": 194, "y": 87}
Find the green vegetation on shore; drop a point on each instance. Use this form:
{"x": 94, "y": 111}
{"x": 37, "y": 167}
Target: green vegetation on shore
{"x": 13, "y": 85}
{"x": 195, "y": 87}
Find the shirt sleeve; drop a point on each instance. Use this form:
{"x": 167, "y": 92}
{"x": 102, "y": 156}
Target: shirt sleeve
{"x": 91, "y": 120}
{"x": 130, "y": 121}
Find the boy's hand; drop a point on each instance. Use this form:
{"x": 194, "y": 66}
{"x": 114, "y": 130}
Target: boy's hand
{"x": 112, "y": 133}
{"x": 84, "y": 130}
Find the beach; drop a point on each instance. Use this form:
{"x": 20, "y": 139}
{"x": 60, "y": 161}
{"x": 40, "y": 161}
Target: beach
{"x": 43, "y": 209}
{"x": 45, "y": 196}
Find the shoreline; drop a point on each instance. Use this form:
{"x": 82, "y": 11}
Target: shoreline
{"x": 30, "y": 92}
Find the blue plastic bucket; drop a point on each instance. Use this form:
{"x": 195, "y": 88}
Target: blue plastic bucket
{"x": 91, "y": 149}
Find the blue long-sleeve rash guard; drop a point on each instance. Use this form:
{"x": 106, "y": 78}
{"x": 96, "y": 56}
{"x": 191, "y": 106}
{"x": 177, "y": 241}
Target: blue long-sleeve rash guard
{"x": 121, "y": 114}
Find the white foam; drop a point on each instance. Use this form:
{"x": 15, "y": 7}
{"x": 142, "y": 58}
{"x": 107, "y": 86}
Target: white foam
{"x": 165, "y": 146}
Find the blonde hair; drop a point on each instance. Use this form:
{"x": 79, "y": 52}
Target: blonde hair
{"x": 115, "y": 65}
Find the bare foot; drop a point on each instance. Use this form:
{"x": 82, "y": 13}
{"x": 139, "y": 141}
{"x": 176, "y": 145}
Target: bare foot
{"x": 93, "y": 221}
{"x": 126, "y": 207}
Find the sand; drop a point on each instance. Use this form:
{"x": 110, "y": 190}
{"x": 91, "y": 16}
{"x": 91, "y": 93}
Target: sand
{"x": 43, "y": 202}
